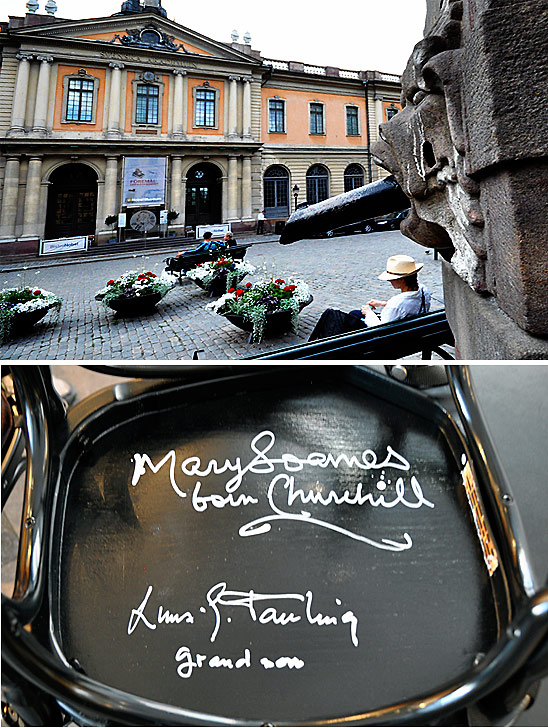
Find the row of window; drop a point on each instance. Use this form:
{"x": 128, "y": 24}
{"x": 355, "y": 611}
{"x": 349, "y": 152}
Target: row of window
{"x": 276, "y": 186}
{"x": 80, "y": 97}
{"x": 277, "y": 116}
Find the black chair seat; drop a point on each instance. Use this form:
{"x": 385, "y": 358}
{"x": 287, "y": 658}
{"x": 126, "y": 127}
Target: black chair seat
{"x": 311, "y": 590}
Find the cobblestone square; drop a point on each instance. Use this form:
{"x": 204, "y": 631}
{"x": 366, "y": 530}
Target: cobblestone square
{"x": 341, "y": 272}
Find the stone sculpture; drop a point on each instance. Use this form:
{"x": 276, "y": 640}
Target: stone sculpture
{"x": 470, "y": 148}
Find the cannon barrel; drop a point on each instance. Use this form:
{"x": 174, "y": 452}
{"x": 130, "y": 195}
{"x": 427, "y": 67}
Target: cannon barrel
{"x": 376, "y": 198}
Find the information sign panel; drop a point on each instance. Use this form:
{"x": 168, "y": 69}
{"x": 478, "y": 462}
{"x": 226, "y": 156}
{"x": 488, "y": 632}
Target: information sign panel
{"x": 64, "y": 245}
{"x": 218, "y": 231}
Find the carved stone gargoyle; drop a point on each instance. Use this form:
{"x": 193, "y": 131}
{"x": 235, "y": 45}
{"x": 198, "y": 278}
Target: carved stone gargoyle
{"x": 470, "y": 151}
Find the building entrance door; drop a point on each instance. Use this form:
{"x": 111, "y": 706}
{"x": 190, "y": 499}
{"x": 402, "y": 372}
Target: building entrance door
{"x": 203, "y": 195}
{"x": 72, "y": 202}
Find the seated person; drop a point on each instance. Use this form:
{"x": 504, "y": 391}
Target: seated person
{"x": 206, "y": 246}
{"x": 230, "y": 240}
{"x": 413, "y": 300}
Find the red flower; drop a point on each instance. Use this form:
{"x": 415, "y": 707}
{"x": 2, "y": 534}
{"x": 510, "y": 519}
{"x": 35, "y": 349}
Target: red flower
{"x": 248, "y": 285}
{"x": 279, "y": 280}
{"x": 239, "y": 293}
{"x": 152, "y": 275}
{"x": 110, "y": 283}
{"x": 231, "y": 290}
{"x": 37, "y": 292}
{"x": 290, "y": 288}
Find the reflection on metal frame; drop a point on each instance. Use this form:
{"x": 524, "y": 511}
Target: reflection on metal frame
{"x": 503, "y": 676}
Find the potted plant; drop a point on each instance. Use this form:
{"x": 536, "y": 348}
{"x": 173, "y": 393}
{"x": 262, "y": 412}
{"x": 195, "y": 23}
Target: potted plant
{"x": 270, "y": 306}
{"x": 134, "y": 292}
{"x": 112, "y": 220}
{"x": 21, "y": 308}
{"x": 217, "y": 276}
{"x": 171, "y": 216}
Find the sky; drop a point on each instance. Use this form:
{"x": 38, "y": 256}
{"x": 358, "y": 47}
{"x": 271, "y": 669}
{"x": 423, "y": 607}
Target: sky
{"x": 359, "y": 35}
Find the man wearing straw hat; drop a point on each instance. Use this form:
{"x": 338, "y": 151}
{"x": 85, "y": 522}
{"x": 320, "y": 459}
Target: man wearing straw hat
{"x": 413, "y": 300}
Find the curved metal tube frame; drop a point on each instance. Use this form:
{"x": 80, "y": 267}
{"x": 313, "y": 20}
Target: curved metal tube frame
{"x": 521, "y": 656}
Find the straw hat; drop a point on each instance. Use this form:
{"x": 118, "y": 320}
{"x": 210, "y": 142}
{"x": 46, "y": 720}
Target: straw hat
{"x": 399, "y": 266}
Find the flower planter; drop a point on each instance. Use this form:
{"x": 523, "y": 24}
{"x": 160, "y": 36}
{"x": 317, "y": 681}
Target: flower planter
{"x": 136, "y": 305}
{"x": 25, "y": 320}
{"x": 218, "y": 286}
{"x": 277, "y": 322}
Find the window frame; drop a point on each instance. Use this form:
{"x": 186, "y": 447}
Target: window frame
{"x": 216, "y": 92}
{"x": 355, "y": 108}
{"x": 319, "y": 104}
{"x": 316, "y": 178}
{"x": 66, "y": 84}
{"x": 277, "y": 181}
{"x": 353, "y": 176}
{"x": 277, "y": 100}
{"x": 140, "y": 81}
{"x": 148, "y": 97}
{"x": 393, "y": 109}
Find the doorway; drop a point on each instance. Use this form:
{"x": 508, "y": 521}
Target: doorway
{"x": 203, "y": 195}
{"x": 72, "y": 202}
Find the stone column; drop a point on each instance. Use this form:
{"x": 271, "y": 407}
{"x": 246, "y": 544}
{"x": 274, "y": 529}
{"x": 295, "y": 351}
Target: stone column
{"x": 114, "y": 100}
{"x": 246, "y": 188}
{"x": 32, "y": 198}
{"x": 178, "y": 104}
{"x": 233, "y": 107}
{"x": 20, "y": 95}
{"x": 233, "y": 206}
{"x": 111, "y": 187}
{"x": 10, "y": 198}
{"x": 247, "y": 109}
{"x": 42, "y": 96}
{"x": 379, "y": 119}
{"x": 176, "y": 185}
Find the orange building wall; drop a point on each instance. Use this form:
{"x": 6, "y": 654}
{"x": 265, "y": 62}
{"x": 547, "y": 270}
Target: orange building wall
{"x": 110, "y": 36}
{"x": 191, "y": 129}
{"x": 298, "y": 123}
{"x": 63, "y": 71}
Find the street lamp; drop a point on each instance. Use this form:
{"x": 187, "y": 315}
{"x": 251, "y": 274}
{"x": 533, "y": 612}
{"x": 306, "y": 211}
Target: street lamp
{"x": 296, "y": 194}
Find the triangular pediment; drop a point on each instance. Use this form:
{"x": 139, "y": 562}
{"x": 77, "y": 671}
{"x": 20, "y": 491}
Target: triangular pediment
{"x": 137, "y": 31}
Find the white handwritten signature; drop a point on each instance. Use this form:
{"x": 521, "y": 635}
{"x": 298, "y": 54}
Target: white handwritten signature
{"x": 257, "y": 605}
{"x": 282, "y": 486}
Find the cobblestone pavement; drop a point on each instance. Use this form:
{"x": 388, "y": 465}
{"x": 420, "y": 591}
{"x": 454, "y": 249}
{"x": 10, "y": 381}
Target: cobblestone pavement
{"x": 341, "y": 272}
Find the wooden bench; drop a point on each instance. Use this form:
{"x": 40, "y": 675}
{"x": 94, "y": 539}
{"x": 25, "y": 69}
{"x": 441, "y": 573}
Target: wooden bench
{"x": 190, "y": 260}
{"x": 425, "y": 334}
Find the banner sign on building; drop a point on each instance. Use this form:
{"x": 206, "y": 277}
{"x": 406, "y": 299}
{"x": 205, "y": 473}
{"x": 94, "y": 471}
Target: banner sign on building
{"x": 144, "y": 181}
{"x": 64, "y": 245}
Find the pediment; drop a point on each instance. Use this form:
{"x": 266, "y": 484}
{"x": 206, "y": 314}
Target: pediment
{"x": 145, "y": 31}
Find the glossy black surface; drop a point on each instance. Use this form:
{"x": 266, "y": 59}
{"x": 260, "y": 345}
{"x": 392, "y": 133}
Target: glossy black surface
{"x": 423, "y": 613}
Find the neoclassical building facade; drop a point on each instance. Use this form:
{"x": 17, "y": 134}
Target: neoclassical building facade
{"x": 89, "y": 107}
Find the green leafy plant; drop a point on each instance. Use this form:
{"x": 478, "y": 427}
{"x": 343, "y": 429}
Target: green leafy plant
{"x": 207, "y": 274}
{"x": 15, "y": 302}
{"x": 134, "y": 284}
{"x": 256, "y": 301}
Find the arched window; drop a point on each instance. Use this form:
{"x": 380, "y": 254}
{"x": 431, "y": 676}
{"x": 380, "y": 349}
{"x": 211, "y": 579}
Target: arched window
{"x": 317, "y": 183}
{"x": 353, "y": 177}
{"x": 276, "y": 192}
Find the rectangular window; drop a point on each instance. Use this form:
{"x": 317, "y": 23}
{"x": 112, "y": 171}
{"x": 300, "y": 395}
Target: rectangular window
{"x": 146, "y": 111}
{"x": 80, "y": 100}
{"x": 316, "y": 119}
{"x": 352, "y": 126}
{"x": 276, "y": 116}
{"x": 205, "y": 108}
